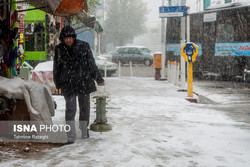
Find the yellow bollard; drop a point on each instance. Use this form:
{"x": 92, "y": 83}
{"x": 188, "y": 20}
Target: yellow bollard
{"x": 190, "y": 79}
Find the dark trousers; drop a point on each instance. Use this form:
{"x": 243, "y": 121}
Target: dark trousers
{"x": 84, "y": 106}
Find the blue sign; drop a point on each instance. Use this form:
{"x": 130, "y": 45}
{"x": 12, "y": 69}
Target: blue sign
{"x": 190, "y": 49}
{"x": 232, "y": 49}
{"x": 172, "y": 11}
{"x": 176, "y": 49}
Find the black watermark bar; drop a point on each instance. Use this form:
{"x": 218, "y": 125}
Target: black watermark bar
{"x": 34, "y": 131}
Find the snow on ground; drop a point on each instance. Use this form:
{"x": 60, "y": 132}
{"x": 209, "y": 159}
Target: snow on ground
{"x": 153, "y": 125}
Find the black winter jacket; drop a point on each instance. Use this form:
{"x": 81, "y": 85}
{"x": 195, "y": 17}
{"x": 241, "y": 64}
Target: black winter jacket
{"x": 75, "y": 69}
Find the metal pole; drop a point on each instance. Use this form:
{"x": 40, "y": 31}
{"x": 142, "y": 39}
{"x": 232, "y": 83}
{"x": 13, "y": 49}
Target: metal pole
{"x": 188, "y": 24}
{"x": 171, "y": 72}
{"x": 188, "y": 32}
{"x": 95, "y": 41}
{"x": 99, "y": 43}
{"x": 174, "y": 72}
{"x": 119, "y": 68}
{"x": 169, "y": 69}
{"x": 178, "y": 72}
{"x": 163, "y": 43}
{"x": 183, "y": 69}
{"x": 105, "y": 68}
{"x": 131, "y": 69}
{"x": 183, "y": 64}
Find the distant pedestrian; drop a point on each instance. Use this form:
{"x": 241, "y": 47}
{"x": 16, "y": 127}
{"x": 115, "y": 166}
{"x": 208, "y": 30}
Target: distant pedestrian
{"x": 74, "y": 73}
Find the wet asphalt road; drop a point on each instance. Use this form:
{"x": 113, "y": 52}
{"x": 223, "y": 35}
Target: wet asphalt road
{"x": 238, "y": 108}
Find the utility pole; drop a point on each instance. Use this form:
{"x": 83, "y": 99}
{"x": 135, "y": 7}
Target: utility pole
{"x": 163, "y": 45}
{"x": 183, "y": 41}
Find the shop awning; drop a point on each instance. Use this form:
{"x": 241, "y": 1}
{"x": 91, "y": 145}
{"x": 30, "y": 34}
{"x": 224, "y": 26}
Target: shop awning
{"x": 61, "y": 7}
{"x": 66, "y": 8}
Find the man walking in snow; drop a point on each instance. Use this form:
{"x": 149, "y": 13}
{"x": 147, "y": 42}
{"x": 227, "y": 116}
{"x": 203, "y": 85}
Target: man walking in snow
{"x": 74, "y": 73}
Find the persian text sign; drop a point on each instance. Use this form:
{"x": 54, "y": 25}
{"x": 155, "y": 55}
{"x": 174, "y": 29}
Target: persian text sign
{"x": 210, "y": 17}
{"x": 172, "y": 11}
{"x": 232, "y": 49}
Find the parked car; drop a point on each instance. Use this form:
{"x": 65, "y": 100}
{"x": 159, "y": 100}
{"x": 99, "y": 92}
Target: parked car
{"x": 111, "y": 67}
{"x": 136, "y": 54}
{"x": 108, "y": 55}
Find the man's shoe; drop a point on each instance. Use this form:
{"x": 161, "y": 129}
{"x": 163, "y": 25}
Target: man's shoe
{"x": 85, "y": 134}
{"x": 70, "y": 141}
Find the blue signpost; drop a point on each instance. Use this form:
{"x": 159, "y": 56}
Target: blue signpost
{"x": 172, "y": 11}
{"x": 190, "y": 49}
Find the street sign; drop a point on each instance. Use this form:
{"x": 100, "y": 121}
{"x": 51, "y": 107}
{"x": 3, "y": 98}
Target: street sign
{"x": 189, "y": 51}
{"x": 172, "y": 11}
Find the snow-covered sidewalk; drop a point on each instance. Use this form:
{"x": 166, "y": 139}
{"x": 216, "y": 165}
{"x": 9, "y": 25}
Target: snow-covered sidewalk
{"x": 153, "y": 125}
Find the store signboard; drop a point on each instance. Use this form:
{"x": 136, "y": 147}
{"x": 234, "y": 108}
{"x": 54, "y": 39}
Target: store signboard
{"x": 232, "y": 49}
{"x": 210, "y": 17}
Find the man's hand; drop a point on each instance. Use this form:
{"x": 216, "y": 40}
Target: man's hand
{"x": 101, "y": 84}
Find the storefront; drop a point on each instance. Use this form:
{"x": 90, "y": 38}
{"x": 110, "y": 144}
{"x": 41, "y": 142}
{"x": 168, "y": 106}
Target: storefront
{"x": 8, "y": 39}
{"x": 35, "y": 33}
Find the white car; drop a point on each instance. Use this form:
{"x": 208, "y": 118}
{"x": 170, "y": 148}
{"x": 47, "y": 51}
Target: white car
{"x": 111, "y": 68}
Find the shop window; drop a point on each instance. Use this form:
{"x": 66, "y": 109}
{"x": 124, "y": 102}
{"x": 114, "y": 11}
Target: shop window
{"x": 34, "y": 37}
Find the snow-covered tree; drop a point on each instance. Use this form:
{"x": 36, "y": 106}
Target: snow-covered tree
{"x": 125, "y": 19}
